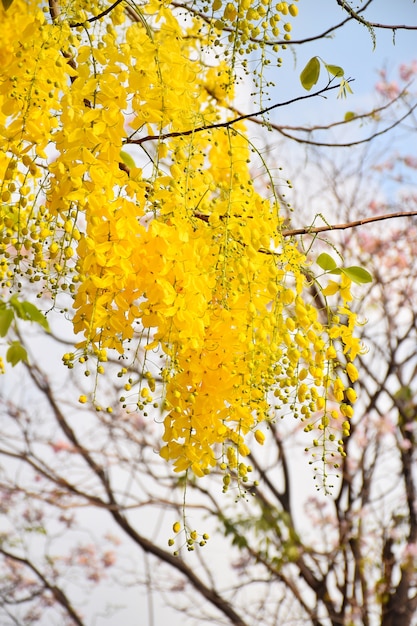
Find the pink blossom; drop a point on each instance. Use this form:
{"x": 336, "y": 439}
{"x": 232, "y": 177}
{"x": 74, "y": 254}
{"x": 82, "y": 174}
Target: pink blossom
{"x": 389, "y": 90}
{"x": 109, "y": 558}
{"x": 61, "y": 445}
{"x": 113, "y": 539}
{"x": 384, "y": 166}
{"x": 368, "y": 243}
{"x": 400, "y": 261}
{"x": 374, "y": 206}
{"x": 138, "y": 421}
{"x": 405, "y": 444}
{"x": 406, "y": 72}
{"x": 410, "y": 551}
{"x": 410, "y": 161}
{"x": 386, "y": 426}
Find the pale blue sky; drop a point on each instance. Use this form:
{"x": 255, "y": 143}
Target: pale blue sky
{"x": 350, "y": 47}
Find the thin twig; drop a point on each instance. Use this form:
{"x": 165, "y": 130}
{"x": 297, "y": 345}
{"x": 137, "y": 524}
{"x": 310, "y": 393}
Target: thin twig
{"x": 321, "y": 229}
{"x": 331, "y": 125}
{"x": 271, "y": 42}
{"x": 229, "y": 123}
{"x": 348, "y": 144}
{"x": 309, "y": 230}
{"x": 355, "y": 15}
{"x": 57, "y": 593}
{"x": 99, "y": 16}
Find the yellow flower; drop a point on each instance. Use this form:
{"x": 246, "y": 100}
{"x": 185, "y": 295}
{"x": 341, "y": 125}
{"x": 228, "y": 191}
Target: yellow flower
{"x": 260, "y": 437}
{"x": 186, "y": 259}
{"x": 352, "y": 372}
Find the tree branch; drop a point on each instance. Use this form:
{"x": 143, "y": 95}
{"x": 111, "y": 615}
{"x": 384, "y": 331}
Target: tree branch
{"x": 57, "y": 593}
{"x": 321, "y": 229}
{"x": 314, "y": 230}
{"x": 208, "y": 593}
{"x": 355, "y": 15}
{"x": 228, "y": 123}
{"x": 350, "y": 143}
{"x": 99, "y": 16}
{"x": 272, "y": 42}
{"x": 306, "y": 129}
{"x": 115, "y": 510}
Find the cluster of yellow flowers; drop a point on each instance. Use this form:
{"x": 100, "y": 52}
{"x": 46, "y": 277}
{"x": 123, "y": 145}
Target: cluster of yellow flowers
{"x": 170, "y": 245}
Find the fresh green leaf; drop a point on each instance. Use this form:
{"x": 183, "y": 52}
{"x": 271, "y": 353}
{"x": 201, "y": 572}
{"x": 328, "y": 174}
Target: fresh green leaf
{"x": 17, "y": 306}
{"x": 127, "y": 159}
{"x": 36, "y": 529}
{"x": 310, "y": 74}
{"x": 404, "y": 394}
{"x": 357, "y": 275}
{"x": 335, "y": 70}
{"x": 344, "y": 89}
{"x": 349, "y": 115}
{"x": 326, "y": 262}
{"x": 28, "y": 311}
{"x": 6, "y": 4}
{"x": 33, "y": 314}
{"x": 6, "y": 318}
{"x": 16, "y": 353}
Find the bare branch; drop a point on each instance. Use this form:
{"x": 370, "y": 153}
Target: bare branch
{"x": 57, "y": 593}
{"x": 348, "y": 144}
{"x": 321, "y": 229}
{"x": 228, "y": 123}
{"x": 331, "y": 125}
{"x": 99, "y": 16}
{"x": 314, "y": 230}
{"x": 274, "y": 42}
{"x": 355, "y": 15}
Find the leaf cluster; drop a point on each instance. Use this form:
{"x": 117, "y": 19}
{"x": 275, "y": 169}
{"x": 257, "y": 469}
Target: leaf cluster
{"x": 358, "y": 275}
{"x": 17, "y": 309}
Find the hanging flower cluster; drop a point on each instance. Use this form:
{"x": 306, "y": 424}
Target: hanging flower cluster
{"x": 122, "y": 186}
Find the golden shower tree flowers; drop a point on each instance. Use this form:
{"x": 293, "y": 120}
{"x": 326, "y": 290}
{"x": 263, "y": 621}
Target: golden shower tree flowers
{"x": 352, "y": 372}
{"x": 126, "y": 182}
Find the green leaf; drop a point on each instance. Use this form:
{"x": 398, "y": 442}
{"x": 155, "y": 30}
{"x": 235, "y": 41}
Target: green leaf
{"x": 349, "y": 115}
{"x": 6, "y": 4}
{"x": 310, "y": 74}
{"x": 17, "y": 306}
{"x": 404, "y": 394}
{"x": 326, "y": 262}
{"x": 344, "y": 89}
{"x": 127, "y": 159}
{"x": 33, "y": 314}
{"x": 335, "y": 70}
{"x": 6, "y": 318}
{"x": 16, "y": 353}
{"x": 28, "y": 311}
{"x": 357, "y": 274}
{"x": 36, "y": 529}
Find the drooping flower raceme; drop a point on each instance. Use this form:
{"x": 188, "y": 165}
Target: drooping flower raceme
{"x": 123, "y": 185}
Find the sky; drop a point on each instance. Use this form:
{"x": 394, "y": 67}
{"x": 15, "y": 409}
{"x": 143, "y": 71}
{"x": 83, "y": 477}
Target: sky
{"x": 350, "y": 47}
{"x": 353, "y": 49}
